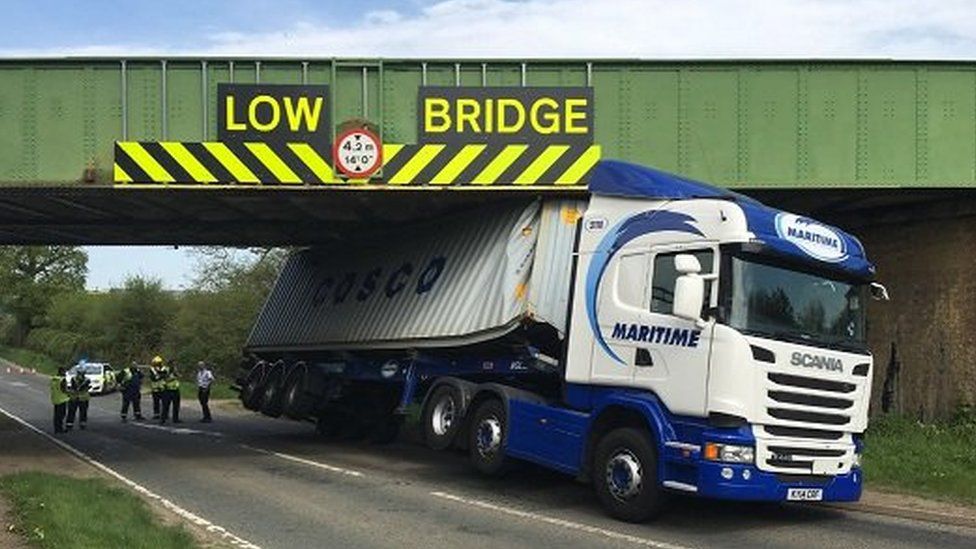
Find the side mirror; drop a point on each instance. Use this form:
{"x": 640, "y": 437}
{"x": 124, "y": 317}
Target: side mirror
{"x": 879, "y": 292}
{"x": 689, "y": 288}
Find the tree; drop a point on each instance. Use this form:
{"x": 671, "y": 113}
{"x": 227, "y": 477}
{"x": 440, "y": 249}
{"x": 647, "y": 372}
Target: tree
{"x": 32, "y": 275}
{"x": 215, "y": 317}
{"x": 137, "y": 318}
{"x": 243, "y": 268}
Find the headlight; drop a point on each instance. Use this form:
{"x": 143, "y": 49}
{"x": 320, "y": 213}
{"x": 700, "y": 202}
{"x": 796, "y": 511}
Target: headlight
{"x": 729, "y": 453}
{"x": 857, "y": 460}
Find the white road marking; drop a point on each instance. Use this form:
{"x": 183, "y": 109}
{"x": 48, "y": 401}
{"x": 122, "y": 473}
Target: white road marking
{"x": 188, "y": 515}
{"x": 568, "y": 524}
{"x": 17, "y": 384}
{"x": 176, "y": 430}
{"x": 304, "y": 461}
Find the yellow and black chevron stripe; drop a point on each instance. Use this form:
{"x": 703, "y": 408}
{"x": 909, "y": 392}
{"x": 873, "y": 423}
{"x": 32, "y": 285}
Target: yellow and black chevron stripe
{"x": 222, "y": 163}
{"x": 481, "y": 165}
{"x": 424, "y": 165}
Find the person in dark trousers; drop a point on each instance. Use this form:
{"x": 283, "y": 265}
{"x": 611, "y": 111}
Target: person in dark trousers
{"x": 59, "y": 399}
{"x": 78, "y": 396}
{"x": 171, "y": 396}
{"x": 131, "y": 386}
{"x": 157, "y": 381}
{"x": 205, "y": 379}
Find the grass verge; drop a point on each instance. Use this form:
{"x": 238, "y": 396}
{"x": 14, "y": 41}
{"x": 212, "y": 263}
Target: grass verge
{"x": 30, "y": 359}
{"x": 58, "y": 511}
{"x": 218, "y": 391}
{"x": 928, "y": 459}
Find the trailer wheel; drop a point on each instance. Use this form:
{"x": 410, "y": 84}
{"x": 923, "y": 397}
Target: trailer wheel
{"x": 296, "y": 402}
{"x": 625, "y": 475}
{"x": 271, "y": 401}
{"x": 252, "y": 390}
{"x": 442, "y": 417}
{"x": 486, "y": 437}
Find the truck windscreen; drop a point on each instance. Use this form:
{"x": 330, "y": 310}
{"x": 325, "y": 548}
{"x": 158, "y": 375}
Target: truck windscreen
{"x": 778, "y": 302}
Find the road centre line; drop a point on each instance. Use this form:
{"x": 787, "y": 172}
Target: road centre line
{"x": 568, "y": 524}
{"x": 175, "y": 430}
{"x": 184, "y": 513}
{"x": 303, "y": 461}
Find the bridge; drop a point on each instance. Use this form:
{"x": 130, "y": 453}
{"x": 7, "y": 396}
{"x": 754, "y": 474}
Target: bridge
{"x": 130, "y": 151}
{"x": 835, "y": 130}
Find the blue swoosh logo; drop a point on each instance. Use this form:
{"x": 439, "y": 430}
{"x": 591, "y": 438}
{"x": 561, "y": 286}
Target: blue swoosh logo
{"x": 639, "y": 225}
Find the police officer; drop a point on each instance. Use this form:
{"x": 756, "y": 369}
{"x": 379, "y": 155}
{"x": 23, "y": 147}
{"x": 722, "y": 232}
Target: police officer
{"x": 79, "y": 394}
{"x": 131, "y": 385}
{"x": 157, "y": 380}
{"x": 59, "y": 398}
{"x": 171, "y": 395}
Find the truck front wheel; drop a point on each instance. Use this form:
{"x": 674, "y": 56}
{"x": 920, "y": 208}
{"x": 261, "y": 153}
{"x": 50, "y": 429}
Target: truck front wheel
{"x": 486, "y": 437}
{"x": 625, "y": 475}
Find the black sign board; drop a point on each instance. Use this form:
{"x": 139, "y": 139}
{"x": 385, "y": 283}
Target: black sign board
{"x": 273, "y": 113}
{"x": 497, "y": 115}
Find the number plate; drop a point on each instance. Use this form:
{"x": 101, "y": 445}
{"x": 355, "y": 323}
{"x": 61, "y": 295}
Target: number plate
{"x": 804, "y": 494}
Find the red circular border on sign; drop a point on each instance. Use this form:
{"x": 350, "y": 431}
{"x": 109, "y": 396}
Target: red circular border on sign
{"x": 379, "y": 153}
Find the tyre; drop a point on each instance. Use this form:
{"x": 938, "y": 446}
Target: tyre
{"x": 441, "y": 418}
{"x": 625, "y": 475}
{"x": 252, "y": 390}
{"x": 271, "y": 401}
{"x": 486, "y": 437}
{"x": 296, "y": 402}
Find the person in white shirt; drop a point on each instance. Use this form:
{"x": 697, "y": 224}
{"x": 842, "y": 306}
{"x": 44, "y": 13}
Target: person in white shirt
{"x": 205, "y": 379}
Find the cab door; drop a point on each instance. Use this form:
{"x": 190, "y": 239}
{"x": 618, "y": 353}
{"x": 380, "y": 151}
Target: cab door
{"x": 619, "y": 307}
{"x": 678, "y": 349}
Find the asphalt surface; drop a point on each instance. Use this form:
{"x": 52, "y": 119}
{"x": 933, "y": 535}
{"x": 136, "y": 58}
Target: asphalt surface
{"x": 274, "y": 483}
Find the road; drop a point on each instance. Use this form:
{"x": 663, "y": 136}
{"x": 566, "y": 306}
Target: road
{"x": 274, "y": 483}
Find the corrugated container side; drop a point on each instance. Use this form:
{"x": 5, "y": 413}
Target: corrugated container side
{"x": 550, "y": 283}
{"x": 463, "y": 280}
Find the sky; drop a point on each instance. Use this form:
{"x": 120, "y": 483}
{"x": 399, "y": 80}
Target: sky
{"x": 653, "y": 29}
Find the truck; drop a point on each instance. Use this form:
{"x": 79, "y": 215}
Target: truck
{"x": 660, "y": 335}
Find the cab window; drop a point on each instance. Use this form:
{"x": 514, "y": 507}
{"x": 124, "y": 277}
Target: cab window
{"x": 665, "y": 275}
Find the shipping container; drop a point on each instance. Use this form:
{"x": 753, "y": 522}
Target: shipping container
{"x": 412, "y": 288}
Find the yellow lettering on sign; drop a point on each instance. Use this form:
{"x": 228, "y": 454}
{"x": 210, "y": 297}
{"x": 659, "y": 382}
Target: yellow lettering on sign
{"x": 233, "y": 125}
{"x": 252, "y": 113}
{"x": 302, "y": 109}
{"x": 437, "y": 108}
{"x": 489, "y": 115}
{"x": 552, "y": 117}
{"x": 505, "y": 104}
{"x": 468, "y": 111}
{"x": 574, "y": 112}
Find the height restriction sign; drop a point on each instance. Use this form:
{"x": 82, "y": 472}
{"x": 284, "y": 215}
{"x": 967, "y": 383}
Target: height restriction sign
{"x": 358, "y": 153}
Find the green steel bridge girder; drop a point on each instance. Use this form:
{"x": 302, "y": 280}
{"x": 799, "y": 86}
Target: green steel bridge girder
{"x": 744, "y": 124}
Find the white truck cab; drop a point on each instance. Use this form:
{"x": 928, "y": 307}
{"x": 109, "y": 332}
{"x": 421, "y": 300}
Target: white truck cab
{"x": 727, "y": 311}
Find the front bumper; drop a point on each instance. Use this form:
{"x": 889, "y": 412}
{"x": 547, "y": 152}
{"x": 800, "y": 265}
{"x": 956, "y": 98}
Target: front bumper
{"x": 748, "y": 483}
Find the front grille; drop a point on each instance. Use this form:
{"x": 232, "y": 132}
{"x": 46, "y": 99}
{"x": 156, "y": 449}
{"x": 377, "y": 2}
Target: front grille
{"x": 812, "y": 383}
{"x": 810, "y": 400}
{"x": 797, "y": 432}
{"x": 812, "y": 452}
{"x": 803, "y": 457}
{"x": 790, "y": 478}
{"x": 807, "y": 423}
{"x": 808, "y": 417}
